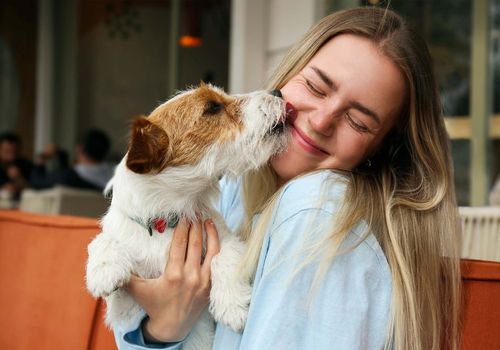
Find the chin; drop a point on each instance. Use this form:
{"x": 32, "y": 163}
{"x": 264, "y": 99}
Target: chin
{"x": 286, "y": 166}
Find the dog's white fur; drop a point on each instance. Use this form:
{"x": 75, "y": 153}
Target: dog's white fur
{"x": 125, "y": 247}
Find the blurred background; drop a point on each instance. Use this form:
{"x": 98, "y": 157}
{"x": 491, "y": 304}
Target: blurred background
{"x": 70, "y": 65}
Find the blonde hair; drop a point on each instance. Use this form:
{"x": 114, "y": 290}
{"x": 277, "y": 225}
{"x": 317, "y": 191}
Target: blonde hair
{"x": 406, "y": 198}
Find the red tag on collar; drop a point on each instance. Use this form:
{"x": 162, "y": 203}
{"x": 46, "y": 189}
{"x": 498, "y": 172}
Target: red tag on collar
{"x": 160, "y": 225}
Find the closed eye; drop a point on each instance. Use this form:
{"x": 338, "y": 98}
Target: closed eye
{"x": 360, "y": 127}
{"x": 314, "y": 89}
{"x": 213, "y": 108}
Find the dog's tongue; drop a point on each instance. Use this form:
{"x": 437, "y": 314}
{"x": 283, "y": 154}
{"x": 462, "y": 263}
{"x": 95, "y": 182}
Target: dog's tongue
{"x": 290, "y": 113}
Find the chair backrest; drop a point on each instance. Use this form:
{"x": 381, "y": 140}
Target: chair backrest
{"x": 481, "y": 309}
{"x": 64, "y": 200}
{"x": 43, "y": 298}
{"x": 480, "y": 233}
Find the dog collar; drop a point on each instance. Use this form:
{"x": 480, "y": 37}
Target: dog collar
{"x": 159, "y": 224}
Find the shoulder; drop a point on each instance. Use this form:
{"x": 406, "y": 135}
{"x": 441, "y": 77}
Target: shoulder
{"x": 320, "y": 192}
{"x": 69, "y": 177}
{"x": 305, "y": 214}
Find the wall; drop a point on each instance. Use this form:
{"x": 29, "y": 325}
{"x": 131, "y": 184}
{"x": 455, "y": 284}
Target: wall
{"x": 18, "y": 21}
{"x": 121, "y": 77}
{"x": 261, "y": 33}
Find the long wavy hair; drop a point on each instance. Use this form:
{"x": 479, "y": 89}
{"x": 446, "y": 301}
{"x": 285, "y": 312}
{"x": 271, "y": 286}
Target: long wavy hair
{"x": 406, "y": 197}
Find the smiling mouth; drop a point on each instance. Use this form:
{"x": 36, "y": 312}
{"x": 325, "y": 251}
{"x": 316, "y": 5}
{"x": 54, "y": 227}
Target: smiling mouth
{"x": 307, "y": 143}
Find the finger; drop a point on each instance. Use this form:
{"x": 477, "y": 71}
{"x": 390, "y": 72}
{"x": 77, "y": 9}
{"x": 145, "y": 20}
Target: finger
{"x": 177, "y": 253}
{"x": 195, "y": 244}
{"x": 213, "y": 245}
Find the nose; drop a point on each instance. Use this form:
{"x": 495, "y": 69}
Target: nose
{"x": 323, "y": 120}
{"x": 276, "y": 93}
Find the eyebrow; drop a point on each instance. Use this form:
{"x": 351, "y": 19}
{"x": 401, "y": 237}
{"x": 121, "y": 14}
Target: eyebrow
{"x": 326, "y": 79}
{"x": 330, "y": 83}
{"x": 366, "y": 111}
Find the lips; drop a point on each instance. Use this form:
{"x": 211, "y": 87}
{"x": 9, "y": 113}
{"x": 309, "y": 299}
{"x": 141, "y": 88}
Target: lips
{"x": 306, "y": 143}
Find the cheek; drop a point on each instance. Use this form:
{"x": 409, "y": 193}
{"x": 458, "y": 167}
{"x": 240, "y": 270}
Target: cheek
{"x": 353, "y": 148}
{"x": 347, "y": 147}
{"x": 293, "y": 92}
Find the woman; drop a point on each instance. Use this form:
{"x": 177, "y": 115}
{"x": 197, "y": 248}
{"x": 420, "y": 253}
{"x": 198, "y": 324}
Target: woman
{"x": 353, "y": 240}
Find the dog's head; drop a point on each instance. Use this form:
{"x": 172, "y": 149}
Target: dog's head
{"x": 206, "y": 128}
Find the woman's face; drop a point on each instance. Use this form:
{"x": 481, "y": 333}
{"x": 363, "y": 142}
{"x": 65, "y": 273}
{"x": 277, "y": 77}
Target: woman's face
{"x": 346, "y": 99}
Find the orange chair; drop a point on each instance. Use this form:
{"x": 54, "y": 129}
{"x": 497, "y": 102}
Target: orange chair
{"x": 43, "y": 298}
{"x": 481, "y": 313}
{"x": 45, "y": 304}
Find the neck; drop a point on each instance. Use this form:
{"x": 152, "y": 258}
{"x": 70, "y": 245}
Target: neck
{"x": 85, "y": 160}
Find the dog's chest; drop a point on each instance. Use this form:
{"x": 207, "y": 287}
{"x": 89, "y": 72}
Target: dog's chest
{"x": 146, "y": 248}
{"x": 149, "y": 252}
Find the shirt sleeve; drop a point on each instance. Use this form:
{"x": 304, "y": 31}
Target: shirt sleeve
{"x": 229, "y": 204}
{"x": 348, "y": 310}
{"x": 134, "y": 340}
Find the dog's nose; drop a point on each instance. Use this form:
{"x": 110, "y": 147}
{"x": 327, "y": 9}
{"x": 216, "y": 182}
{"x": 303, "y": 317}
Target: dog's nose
{"x": 276, "y": 93}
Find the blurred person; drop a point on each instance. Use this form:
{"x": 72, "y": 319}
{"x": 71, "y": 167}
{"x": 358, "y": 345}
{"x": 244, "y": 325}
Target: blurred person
{"x": 53, "y": 158}
{"x": 14, "y": 169}
{"x": 90, "y": 171}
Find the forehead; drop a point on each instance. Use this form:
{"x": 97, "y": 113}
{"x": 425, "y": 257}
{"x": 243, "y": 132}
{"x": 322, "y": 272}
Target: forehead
{"x": 361, "y": 72}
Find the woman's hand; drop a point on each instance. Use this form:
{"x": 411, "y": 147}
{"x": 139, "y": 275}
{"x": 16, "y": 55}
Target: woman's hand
{"x": 175, "y": 300}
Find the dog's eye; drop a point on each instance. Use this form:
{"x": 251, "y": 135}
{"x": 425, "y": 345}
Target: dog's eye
{"x": 213, "y": 108}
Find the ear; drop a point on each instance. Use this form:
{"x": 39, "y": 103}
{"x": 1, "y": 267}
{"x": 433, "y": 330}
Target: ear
{"x": 148, "y": 151}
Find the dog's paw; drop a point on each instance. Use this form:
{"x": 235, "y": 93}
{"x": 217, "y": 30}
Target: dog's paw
{"x": 105, "y": 277}
{"x": 108, "y": 266}
{"x": 229, "y": 296}
{"x": 232, "y": 313}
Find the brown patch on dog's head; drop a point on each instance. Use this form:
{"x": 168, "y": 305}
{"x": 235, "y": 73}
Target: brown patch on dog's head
{"x": 196, "y": 120}
{"x": 148, "y": 151}
{"x": 179, "y": 131}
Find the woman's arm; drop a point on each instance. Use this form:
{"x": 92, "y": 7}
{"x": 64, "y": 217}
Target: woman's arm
{"x": 174, "y": 301}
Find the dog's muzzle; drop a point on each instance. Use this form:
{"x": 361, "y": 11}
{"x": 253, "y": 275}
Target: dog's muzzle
{"x": 278, "y": 129}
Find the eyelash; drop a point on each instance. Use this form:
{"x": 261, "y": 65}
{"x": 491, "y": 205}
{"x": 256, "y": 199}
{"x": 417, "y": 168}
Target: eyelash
{"x": 314, "y": 90}
{"x": 356, "y": 126}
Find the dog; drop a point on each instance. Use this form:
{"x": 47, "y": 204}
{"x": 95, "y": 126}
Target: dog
{"x": 175, "y": 159}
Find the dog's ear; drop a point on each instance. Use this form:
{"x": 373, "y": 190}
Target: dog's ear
{"x": 148, "y": 151}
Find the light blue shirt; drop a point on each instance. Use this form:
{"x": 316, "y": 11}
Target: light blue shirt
{"x": 349, "y": 309}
